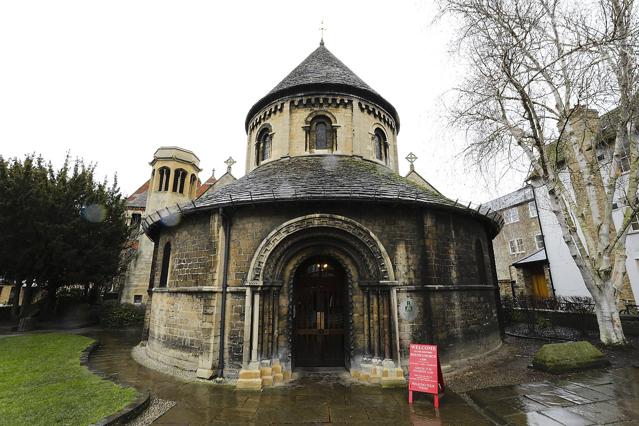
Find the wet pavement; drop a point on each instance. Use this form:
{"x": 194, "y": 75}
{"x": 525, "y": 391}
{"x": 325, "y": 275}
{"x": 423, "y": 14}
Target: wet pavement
{"x": 588, "y": 398}
{"x": 597, "y": 397}
{"x": 313, "y": 398}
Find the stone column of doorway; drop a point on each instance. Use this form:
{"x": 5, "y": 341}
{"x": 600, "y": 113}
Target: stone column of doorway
{"x": 250, "y": 375}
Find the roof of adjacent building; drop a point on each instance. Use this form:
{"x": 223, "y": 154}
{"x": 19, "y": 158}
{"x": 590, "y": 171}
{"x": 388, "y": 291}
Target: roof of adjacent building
{"x": 514, "y": 198}
{"x": 138, "y": 198}
{"x": 322, "y": 72}
{"x": 205, "y": 186}
{"x": 538, "y": 256}
{"x": 325, "y": 178}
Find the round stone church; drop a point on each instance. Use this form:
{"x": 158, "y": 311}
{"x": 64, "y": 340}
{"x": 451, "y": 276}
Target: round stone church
{"x": 322, "y": 255}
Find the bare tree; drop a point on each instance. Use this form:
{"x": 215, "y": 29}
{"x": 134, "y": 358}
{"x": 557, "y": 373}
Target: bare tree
{"x": 537, "y": 68}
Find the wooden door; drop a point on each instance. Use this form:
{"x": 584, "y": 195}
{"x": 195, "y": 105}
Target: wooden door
{"x": 319, "y": 314}
{"x": 540, "y": 288}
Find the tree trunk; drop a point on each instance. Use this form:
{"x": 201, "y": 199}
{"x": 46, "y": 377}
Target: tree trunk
{"x": 94, "y": 294}
{"x": 15, "y": 302}
{"x": 26, "y": 300}
{"x": 48, "y": 311}
{"x": 606, "y": 309}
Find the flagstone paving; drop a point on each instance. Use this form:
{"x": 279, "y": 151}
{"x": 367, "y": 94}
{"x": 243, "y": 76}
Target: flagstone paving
{"x": 588, "y": 398}
{"x": 596, "y": 397}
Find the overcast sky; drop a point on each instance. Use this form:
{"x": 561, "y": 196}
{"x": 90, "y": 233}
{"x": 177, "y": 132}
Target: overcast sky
{"x": 111, "y": 81}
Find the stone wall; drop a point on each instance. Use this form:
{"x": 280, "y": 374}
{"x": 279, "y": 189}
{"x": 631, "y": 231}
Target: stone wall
{"x": 194, "y": 252}
{"x": 176, "y": 335}
{"x": 428, "y": 249}
{"x": 355, "y": 119}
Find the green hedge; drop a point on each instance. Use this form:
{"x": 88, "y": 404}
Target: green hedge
{"x": 118, "y": 315}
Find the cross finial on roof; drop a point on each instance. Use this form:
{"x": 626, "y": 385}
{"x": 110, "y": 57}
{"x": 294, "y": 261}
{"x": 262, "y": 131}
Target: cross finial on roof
{"x": 411, "y": 159}
{"x": 322, "y": 29}
{"x": 229, "y": 163}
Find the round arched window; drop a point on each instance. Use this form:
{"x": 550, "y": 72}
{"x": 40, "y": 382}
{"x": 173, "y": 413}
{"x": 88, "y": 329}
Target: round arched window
{"x": 381, "y": 145}
{"x": 321, "y": 134}
{"x": 263, "y": 146}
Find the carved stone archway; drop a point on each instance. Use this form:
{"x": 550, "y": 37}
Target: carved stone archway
{"x": 360, "y": 236}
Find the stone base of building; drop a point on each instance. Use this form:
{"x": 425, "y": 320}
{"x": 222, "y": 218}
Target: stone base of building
{"x": 258, "y": 375}
{"x": 384, "y": 373}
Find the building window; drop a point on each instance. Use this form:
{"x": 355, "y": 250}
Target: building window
{"x": 165, "y": 175}
{"x": 178, "y": 180}
{"x": 192, "y": 185}
{"x": 166, "y": 260}
{"x": 511, "y": 215}
{"x": 136, "y": 218}
{"x": 263, "y": 146}
{"x": 532, "y": 209}
{"x": 634, "y": 224}
{"x": 539, "y": 241}
{"x": 321, "y": 134}
{"x": 381, "y": 146}
{"x": 516, "y": 246}
{"x": 137, "y": 299}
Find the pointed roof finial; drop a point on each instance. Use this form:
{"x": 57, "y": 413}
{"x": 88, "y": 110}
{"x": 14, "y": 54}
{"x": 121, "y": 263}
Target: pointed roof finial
{"x": 322, "y": 29}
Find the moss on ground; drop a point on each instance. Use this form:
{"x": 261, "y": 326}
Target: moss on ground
{"x": 43, "y": 383}
{"x": 571, "y": 356}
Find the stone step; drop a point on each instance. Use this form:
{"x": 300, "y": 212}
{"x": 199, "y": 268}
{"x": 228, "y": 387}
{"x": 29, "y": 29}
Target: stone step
{"x": 250, "y": 374}
{"x": 249, "y": 384}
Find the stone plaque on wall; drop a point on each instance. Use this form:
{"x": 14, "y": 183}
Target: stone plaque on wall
{"x": 408, "y": 310}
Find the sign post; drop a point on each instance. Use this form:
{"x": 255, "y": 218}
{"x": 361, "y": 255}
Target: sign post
{"x": 425, "y": 371}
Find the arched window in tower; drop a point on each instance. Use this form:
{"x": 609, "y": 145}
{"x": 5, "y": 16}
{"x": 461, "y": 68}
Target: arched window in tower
{"x": 178, "y": 181}
{"x": 263, "y": 146}
{"x": 321, "y": 134}
{"x": 166, "y": 260}
{"x": 192, "y": 182}
{"x": 481, "y": 264}
{"x": 379, "y": 144}
{"x": 164, "y": 176}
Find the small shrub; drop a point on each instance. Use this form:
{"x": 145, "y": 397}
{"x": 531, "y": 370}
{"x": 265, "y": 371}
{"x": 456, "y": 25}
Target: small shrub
{"x": 543, "y": 323}
{"x": 116, "y": 315}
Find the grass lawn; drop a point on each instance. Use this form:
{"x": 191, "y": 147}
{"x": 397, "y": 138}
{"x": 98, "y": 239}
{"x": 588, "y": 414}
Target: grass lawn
{"x": 43, "y": 383}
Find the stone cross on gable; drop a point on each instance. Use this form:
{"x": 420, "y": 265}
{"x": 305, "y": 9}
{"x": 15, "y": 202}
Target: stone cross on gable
{"x": 229, "y": 163}
{"x": 411, "y": 159}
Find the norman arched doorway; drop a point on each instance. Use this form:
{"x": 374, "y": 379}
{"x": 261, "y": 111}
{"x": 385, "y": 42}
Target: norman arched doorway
{"x": 320, "y": 312}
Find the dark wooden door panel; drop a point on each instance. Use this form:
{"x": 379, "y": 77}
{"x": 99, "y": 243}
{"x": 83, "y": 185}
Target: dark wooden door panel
{"x": 319, "y": 315}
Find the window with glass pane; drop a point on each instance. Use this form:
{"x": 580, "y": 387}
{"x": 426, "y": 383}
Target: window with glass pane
{"x": 539, "y": 241}
{"x": 511, "y": 215}
{"x": 532, "y": 209}
{"x": 380, "y": 142}
{"x": 321, "y": 136}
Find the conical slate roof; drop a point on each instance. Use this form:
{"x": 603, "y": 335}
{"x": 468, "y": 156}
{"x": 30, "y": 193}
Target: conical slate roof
{"x": 322, "y": 72}
{"x": 304, "y": 178}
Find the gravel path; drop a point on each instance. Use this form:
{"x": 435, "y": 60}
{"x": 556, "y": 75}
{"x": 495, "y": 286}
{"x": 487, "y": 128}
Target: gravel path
{"x": 157, "y": 407}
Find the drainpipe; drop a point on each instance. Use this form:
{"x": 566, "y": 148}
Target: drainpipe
{"x": 226, "y": 223}
{"x": 543, "y": 238}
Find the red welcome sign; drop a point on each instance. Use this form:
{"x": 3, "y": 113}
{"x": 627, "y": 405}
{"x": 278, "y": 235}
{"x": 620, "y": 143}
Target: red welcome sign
{"x": 425, "y": 371}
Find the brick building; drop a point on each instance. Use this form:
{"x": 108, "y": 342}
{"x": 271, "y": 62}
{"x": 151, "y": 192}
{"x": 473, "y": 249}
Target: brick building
{"x": 322, "y": 254}
{"x": 520, "y": 255}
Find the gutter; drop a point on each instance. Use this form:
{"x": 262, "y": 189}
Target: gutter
{"x": 226, "y": 223}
